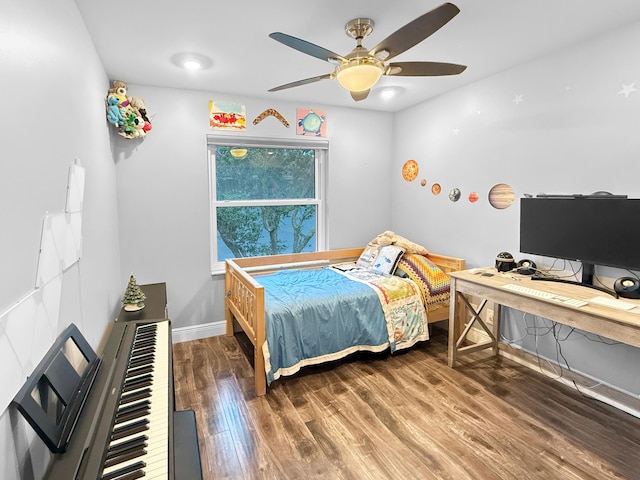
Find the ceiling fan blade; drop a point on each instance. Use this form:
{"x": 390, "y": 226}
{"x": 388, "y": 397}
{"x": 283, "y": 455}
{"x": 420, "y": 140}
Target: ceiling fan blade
{"x": 423, "y": 69}
{"x": 301, "y": 82}
{"x": 357, "y": 96}
{"x": 306, "y": 47}
{"x": 416, "y": 31}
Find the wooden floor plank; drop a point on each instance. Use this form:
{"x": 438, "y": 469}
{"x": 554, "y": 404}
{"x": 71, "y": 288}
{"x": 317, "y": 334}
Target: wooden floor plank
{"x": 407, "y": 415}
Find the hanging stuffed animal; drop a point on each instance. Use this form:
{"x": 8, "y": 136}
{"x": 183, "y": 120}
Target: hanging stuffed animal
{"x": 119, "y": 90}
{"x": 114, "y": 115}
{"x": 138, "y": 105}
{"x": 128, "y": 115}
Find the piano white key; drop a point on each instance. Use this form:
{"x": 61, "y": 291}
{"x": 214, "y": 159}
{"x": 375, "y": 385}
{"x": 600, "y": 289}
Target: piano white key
{"x": 157, "y": 456}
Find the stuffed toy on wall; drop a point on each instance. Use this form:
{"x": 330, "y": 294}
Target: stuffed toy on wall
{"x": 127, "y": 114}
{"x": 114, "y": 114}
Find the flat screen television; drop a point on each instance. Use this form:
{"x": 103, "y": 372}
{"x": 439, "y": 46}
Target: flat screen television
{"x": 595, "y": 230}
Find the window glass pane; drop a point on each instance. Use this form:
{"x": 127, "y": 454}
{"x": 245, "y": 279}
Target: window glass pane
{"x": 268, "y": 230}
{"x": 264, "y": 173}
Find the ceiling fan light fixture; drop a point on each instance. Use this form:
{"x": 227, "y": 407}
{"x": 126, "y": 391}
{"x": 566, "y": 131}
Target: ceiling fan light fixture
{"x": 359, "y": 74}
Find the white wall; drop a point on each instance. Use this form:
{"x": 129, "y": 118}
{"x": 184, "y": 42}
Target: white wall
{"x": 573, "y": 132}
{"x": 164, "y": 200}
{"x": 53, "y": 88}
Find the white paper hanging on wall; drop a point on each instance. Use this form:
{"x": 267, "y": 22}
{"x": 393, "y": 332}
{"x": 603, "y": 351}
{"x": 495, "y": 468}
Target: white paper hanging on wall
{"x": 75, "y": 188}
{"x": 75, "y": 222}
{"x": 11, "y": 374}
{"x": 48, "y": 261}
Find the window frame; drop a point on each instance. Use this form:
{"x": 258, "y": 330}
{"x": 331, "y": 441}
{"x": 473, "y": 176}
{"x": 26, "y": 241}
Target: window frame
{"x": 321, "y": 148}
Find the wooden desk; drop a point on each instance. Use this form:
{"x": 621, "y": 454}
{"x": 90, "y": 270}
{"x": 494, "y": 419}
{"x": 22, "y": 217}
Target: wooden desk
{"x": 622, "y": 326}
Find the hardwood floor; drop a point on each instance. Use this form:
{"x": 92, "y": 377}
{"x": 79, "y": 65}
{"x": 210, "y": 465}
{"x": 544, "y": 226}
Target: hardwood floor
{"x": 404, "y": 416}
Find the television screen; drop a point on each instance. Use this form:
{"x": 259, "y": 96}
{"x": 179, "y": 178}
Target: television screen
{"x": 596, "y": 230}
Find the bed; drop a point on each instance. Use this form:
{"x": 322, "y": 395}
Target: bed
{"x": 246, "y": 300}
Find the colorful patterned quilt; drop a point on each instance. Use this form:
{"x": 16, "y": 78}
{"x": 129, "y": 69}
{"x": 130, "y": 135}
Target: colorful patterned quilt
{"x": 403, "y": 308}
{"x": 315, "y": 316}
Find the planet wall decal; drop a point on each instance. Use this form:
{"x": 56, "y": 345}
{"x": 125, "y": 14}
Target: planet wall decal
{"x": 501, "y": 196}
{"x": 454, "y": 194}
{"x": 473, "y": 197}
{"x": 410, "y": 170}
{"x": 423, "y": 182}
{"x": 436, "y": 189}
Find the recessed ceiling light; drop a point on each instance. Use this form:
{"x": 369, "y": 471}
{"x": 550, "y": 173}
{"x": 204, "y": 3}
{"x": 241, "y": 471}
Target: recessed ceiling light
{"x": 389, "y": 92}
{"x": 191, "y": 61}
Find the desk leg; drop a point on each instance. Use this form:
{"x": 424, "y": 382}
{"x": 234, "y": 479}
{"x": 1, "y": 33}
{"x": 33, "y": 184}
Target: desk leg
{"x": 458, "y": 307}
{"x": 496, "y": 326}
{"x": 455, "y": 322}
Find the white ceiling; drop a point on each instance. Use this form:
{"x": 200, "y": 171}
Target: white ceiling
{"x": 137, "y": 38}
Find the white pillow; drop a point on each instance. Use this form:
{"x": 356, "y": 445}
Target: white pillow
{"x": 368, "y": 255}
{"x": 387, "y": 259}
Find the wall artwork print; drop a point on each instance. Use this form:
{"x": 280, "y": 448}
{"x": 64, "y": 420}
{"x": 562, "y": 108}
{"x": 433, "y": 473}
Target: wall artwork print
{"x": 311, "y": 122}
{"x": 227, "y": 115}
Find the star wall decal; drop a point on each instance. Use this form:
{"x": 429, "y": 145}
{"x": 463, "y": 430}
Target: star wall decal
{"x": 455, "y": 131}
{"x": 518, "y": 99}
{"x": 628, "y": 90}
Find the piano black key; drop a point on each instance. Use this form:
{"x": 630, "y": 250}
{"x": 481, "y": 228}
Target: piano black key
{"x": 132, "y": 475}
{"x": 130, "y": 407}
{"x": 144, "y": 343}
{"x": 135, "y": 395}
{"x": 143, "y": 360}
{"x": 130, "y": 429}
{"x": 115, "y": 460}
{"x": 146, "y": 333}
{"x": 137, "y": 382}
{"x": 139, "y": 370}
{"x": 127, "y": 445}
{"x": 119, "y": 474}
{"x": 132, "y": 415}
{"x": 142, "y": 351}
{"x": 148, "y": 326}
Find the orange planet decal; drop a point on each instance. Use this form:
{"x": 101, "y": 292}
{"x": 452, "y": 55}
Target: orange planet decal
{"x": 423, "y": 182}
{"x": 501, "y": 196}
{"x": 436, "y": 189}
{"x": 410, "y": 170}
{"x": 473, "y": 197}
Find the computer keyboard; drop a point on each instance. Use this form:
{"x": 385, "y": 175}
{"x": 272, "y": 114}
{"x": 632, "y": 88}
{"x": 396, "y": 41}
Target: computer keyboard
{"x": 532, "y": 292}
{"x": 612, "y": 303}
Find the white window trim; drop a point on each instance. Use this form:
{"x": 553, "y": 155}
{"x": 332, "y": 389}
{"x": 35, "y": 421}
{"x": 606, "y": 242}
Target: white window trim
{"x": 322, "y": 149}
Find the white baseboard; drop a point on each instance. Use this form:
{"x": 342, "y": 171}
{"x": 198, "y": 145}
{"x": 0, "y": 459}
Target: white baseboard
{"x": 608, "y": 394}
{"x": 195, "y": 332}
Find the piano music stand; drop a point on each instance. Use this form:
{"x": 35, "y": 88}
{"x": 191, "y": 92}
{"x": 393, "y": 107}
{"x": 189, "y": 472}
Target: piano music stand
{"x": 55, "y": 392}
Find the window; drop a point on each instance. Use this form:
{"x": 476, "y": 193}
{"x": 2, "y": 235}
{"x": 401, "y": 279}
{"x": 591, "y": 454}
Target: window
{"x": 266, "y": 196}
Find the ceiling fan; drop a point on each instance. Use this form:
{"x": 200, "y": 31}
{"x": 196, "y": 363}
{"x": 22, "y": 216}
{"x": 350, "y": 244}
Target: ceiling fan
{"x": 360, "y": 70}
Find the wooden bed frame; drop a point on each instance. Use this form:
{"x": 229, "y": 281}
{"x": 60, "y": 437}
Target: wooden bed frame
{"x": 245, "y": 296}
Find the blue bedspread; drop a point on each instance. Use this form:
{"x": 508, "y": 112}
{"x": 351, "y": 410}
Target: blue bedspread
{"x": 314, "y": 316}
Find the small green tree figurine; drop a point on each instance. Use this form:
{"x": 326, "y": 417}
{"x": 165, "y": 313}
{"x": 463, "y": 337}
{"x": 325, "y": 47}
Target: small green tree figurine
{"x": 134, "y": 297}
